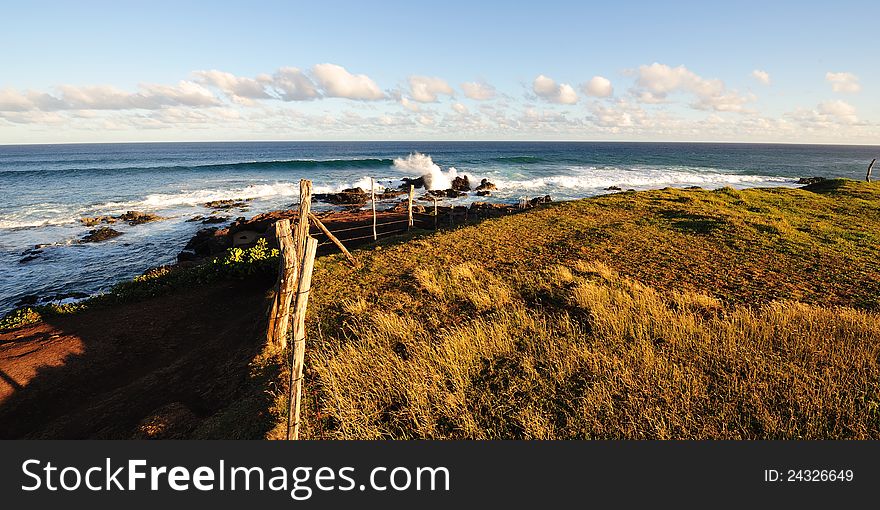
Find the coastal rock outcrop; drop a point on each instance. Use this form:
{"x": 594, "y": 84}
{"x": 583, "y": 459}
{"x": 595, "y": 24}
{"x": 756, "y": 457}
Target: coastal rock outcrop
{"x": 138, "y": 218}
{"x": 100, "y": 234}
{"x": 417, "y": 183}
{"x": 810, "y": 180}
{"x": 206, "y": 242}
{"x": 223, "y": 205}
{"x": 461, "y": 183}
{"x": 350, "y": 196}
{"x": 540, "y": 200}
{"x": 130, "y": 217}
{"x": 485, "y": 185}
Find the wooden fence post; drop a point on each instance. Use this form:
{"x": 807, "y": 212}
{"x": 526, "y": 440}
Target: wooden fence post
{"x": 302, "y": 225}
{"x": 868, "y": 175}
{"x": 299, "y": 336}
{"x": 373, "y": 203}
{"x": 412, "y": 190}
{"x": 435, "y": 212}
{"x": 333, "y": 238}
{"x": 288, "y": 268}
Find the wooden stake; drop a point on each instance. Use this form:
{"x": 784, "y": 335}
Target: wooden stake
{"x": 412, "y": 190}
{"x": 302, "y": 224}
{"x": 435, "y": 212}
{"x": 299, "y": 336}
{"x": 333, "y": 238}
{"x": 868, "y": 175}
{"x": 373, "y": 202}
{"x": 288, "y": 268}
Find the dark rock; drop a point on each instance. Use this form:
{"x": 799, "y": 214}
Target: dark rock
{"x": 100, "y": 234}
{"x": 211, "y": 220}
{"x": 613, "y": 188}
{"x": 351, "y": 196}
{"x": 138, "y": 218}
{"x": 810, "y": 180}
{"x": 187, "y": 256}
{"x": 197, "y": 217}
{"x": 540, "y": 200}
{"x": 483, "y": 193}
{"x": 245, "y": 238}
{"x": 260, "y": 223}
{"x": 461, "y": 183}
{"x": 91, "y": 221}
{"x": 437, "y": 192}
{"x": 451, "y": 193}
{"x": 485, "y": 185}
{"x": 208, "y": 241}
{"x": 487, "y": 210}
{"x": 27, "y": 259}
{"x": 694, "y": 187}
{"x": 416, "y": 183}
{"x": 30, "y": 299}
{"x": 390, "y": 193}
{"x": 228, "y": 204}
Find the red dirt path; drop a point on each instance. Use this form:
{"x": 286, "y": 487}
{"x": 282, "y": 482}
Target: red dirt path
{"x": 100, "y": 373}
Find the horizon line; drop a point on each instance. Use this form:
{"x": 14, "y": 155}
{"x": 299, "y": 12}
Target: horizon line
{"x": 842, "y": 144}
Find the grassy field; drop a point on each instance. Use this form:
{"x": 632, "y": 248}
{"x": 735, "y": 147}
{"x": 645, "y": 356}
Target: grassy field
{"x": 660, "y": 314}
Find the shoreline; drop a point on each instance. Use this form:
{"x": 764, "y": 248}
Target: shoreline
{"x": 210, "y": 242}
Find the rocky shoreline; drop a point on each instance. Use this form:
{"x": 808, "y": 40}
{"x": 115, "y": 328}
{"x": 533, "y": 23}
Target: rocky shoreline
{"x": 353, "y": 226}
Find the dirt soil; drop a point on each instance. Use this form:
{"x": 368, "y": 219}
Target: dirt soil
{"x": 155, "y": 368}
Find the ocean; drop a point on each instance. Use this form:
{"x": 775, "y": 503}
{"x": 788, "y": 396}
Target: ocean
{"x": 46, "y": 189}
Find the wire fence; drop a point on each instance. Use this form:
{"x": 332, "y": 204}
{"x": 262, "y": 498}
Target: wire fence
{"x": 365, "y": 227}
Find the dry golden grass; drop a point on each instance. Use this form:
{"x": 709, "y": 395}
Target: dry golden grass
{"x": 665, "y": 314}
{"x": 617, "y": 360}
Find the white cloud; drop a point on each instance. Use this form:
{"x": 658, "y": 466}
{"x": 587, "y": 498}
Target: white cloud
{"x": 546, "y": 88}
{"x": 336, "y": 81}
{"x": 829, "y": 115}
{"x": 843, "y": 82}
{"x": 460, "y": 108}
{"x": 425, "y": 89}
{"x": 840, "y": 110}
{"x": 291, "y": 84}
{"x": 12, "y": 100}
{"x": 598, "y": 86}
{"x": 151, "y": 97}
{"x": 479, "y": 91}
{"x": 619, "y": 115}
{"x": 657, "y": 81}
{"x": 409, "y": 105}
{"x": 761, "y": 76}
{"x": 238, "y": 89}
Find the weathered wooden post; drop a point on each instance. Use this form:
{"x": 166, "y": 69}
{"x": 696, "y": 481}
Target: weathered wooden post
{"x": 868, "y": 175}
{"x": 410, "y": 205}
{"x": 299, "y": 336}
{"x": 435, "y": 212}
{"x": 302, "y": 224}
{"x": 373, "y": 203}
{"x": 288, "y": 268}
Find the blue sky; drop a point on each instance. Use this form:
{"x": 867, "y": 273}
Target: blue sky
{"x": 742, "y": 71}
